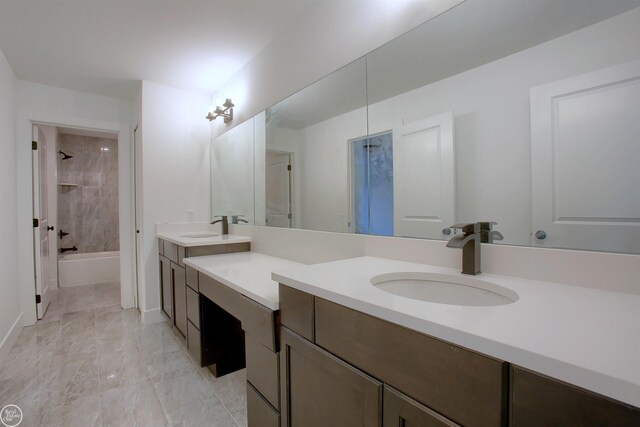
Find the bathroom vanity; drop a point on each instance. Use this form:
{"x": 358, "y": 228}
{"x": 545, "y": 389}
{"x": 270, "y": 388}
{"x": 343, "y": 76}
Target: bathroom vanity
{"x": 354, "y": 354}
{"x": 179, "y": 290}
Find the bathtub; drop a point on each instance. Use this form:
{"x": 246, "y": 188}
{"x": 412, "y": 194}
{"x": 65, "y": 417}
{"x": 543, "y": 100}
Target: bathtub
{"x": 88, "y": 269}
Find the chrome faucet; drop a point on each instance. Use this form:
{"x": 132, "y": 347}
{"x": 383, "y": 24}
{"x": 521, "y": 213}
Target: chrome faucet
{"x": 487, "y": 235}
{"x": 469, "y": 242}
{"x": 225, "y": 223}
{"x": 235, "y": 219}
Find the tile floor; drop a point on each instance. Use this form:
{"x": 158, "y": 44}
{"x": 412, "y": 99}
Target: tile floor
{"x": 90, "y": 363}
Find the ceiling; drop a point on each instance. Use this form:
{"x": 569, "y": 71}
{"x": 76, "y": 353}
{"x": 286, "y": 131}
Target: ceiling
{"x": 105, "y": 47}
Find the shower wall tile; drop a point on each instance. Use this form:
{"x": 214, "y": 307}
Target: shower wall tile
{"x": 89, "y": 212}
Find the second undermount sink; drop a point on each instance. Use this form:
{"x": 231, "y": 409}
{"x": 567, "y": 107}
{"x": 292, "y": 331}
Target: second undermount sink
{"x": 444, "y": 289}
{"x": 200, "y": 235}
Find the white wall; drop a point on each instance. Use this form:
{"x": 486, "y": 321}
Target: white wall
{"x": 175, "y": 173}
{"x": 332, "y": 34}
{"x": 50, "y": 105}
{"x": 10, "y": 309}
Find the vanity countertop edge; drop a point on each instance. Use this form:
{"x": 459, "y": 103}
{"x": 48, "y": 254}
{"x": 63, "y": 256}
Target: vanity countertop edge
{"x": 249, "y": 273}
{"x": 183, "y": 239}
{"x": 586, "y": 337}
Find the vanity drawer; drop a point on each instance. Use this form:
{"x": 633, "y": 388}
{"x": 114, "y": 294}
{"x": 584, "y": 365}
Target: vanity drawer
{"x": 193, "y": 342}
{"x": 296, "y": 311}
{"x": 464, "y": 386}
{"x": 259, "y": 412}
{"x": 540, "y": 401}
{"x": 402, "y": 411}
{"x": 217, "y": 249}
{"x": 259, "y": 321}
{"x": 222, "y": 295}
{"x": 263, "y": 370}
{"x": 192, "y": 278}
{"x": 170, "y": 251}
{"x": 193, "y": 307}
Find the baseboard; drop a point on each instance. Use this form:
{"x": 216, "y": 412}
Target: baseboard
{"x": 152, "y": 316}
{"x": 10, "y": 339}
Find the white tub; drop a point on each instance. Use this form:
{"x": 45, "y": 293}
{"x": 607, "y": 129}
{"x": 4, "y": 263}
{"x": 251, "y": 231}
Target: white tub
{"x": 88, "y": 269}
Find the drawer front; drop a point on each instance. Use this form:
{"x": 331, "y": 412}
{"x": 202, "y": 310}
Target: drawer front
{"x": 171, "y": 251}
{"x": 193, "y": 342}
{"x": 402, "y": 411}
{"x": 193, "y": 307}
{"x": 217, "y": 249}
{"x": 263, "y": 371}
{"x": 225, "y": 297}
{"x": 259, "y": 412}
{"x": 296, "y": 311}
{"x": 260, "y": 322}
{"x": 540, "y": 401}
{"x": 192, "y": 278}
{"x": 464, "y": 386}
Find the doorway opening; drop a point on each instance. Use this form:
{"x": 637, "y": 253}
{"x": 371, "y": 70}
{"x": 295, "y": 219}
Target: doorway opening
{"x": 278, "y": 191}
{"x": 75, "y": 211}
{"x": 372, "y": 184}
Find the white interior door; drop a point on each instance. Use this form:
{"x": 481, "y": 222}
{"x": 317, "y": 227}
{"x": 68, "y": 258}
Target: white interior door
{"x": 278, "y": 189}
{"x": 585, "y": 161}
{"x": 137, "y": 196}
{"x": 424, "y": 177}
{"x": 40, "y": 213}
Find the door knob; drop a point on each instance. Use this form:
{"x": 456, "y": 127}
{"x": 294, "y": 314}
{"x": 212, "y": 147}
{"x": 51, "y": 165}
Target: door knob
{"x": 541, "y": 235}
{"x": 446, "y": 231}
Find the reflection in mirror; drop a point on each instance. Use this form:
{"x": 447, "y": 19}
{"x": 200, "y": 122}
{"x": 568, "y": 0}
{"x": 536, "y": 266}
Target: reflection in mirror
{"x": 307, "y": 174}
{"x": 232, "y": 182}
{"x": 541, "y": 100}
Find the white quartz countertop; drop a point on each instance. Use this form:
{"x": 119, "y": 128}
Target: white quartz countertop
{"x": 247, "y": 272}
{"x": 586, "y": 337}
{"x": 188, "y": 239}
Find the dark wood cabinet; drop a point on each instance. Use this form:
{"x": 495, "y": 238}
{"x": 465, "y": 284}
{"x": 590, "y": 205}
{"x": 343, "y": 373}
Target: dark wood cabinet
{"x": 179, "y": 298}
{"x": 537, "y": 400}
{"x": 320, "y": 390}
{"x": 402, "y": 411}
{"x": 166, "y": 290}
{"x": 259, "y": 412}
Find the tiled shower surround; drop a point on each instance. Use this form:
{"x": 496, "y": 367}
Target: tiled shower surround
{"x": 88, "y": 212}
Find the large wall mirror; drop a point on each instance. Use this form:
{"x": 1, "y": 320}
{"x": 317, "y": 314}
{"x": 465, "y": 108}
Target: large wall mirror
{"x": 524, "y": 113}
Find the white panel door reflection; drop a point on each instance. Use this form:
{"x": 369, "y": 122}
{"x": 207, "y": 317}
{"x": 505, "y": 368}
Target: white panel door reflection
{"x": 424, "y": 183}
{"x": 585, "y": 161}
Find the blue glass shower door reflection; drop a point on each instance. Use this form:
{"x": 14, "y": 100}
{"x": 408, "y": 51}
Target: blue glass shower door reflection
{"x": 373, "y": 184}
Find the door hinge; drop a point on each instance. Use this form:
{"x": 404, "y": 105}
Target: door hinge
{"x": 38, "y": 299}
{"x": 34, "y": 145}
{"x": 288, "y": 167}
{"x": 290, "y": 215}
{"x": 36, "y": 223}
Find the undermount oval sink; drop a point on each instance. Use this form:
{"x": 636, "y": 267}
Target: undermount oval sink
{"x": 200, "y": 236}
{"x": 444, "y": 289}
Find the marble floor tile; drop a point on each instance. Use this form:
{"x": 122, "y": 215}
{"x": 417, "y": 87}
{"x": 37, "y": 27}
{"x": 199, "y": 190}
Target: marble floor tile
{"x": 91, "y": 363}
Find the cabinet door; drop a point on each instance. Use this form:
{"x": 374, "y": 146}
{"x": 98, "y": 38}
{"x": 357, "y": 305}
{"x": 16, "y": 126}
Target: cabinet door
{"x": 541, "y": 401}
{"x": 166, "y": 291}
{"x": 320, "y": 390}
{"x": 402, "y": 411}
{"x": 179, "y": 279}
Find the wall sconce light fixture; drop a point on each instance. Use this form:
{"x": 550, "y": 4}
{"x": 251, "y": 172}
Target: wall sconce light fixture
{"x": 226, "y": 112}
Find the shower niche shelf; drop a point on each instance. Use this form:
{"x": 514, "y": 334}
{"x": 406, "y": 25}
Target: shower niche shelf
{"x": 67, "y": 184}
